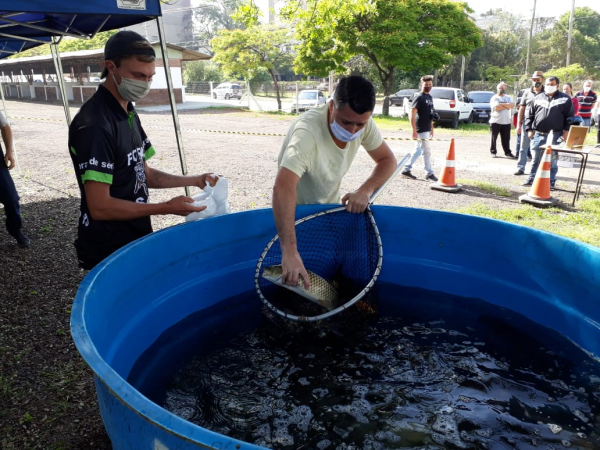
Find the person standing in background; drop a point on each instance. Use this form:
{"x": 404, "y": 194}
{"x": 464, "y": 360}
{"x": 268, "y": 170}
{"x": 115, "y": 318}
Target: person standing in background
{"x": 501, "y": 104}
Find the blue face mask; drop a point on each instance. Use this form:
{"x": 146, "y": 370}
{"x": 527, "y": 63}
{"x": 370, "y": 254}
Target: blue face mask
{"x": 342, "y": 134}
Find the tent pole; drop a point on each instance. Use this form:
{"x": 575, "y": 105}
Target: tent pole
{"x": 61, "y": 79}
{"x": 165, "y": 56}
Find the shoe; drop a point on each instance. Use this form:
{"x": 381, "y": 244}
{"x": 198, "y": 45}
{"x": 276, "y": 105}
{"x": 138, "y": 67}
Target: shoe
{"x": 22, "y": 240}
{"x": 510, "y": 155}
{"x": 431, "y": 177}
{"x": 493, "y": 154}
{"x": 528, "y": 183}
{"x": 407, "y": 174}
{"x": 519, "y": 172}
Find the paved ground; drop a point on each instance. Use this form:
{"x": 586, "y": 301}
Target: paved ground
{"x": 46, "y": 391}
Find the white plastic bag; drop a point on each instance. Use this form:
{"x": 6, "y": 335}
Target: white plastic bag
{"x": 215, "y": 200}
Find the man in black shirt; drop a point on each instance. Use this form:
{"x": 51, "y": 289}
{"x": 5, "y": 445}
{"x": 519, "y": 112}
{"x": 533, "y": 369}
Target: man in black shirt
{"x": 421, "y": 120}
{"x": 548, "y": 113}
{"x": 110, "y": 149}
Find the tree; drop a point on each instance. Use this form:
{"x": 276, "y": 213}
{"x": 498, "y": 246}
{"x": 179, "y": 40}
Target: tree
{"x": 585, "y": 46}
{"x": 572, "y": 74}
{"x": 201, "y": 71}
{"x": 392, "y": 34}
{"x": 244, "y": 52}
{"x": 215, "y": 15}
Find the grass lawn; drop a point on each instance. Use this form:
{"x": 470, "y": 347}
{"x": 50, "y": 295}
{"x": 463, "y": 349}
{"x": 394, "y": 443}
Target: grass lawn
{"x": 582, "y": 225}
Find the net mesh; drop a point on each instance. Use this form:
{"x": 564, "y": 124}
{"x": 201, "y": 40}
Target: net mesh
{"x": 341, "y": 247}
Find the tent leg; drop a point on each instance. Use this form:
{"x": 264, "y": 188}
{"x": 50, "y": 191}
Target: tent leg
{"x": 165, "y": 56}
{"x": 61, "y": 79}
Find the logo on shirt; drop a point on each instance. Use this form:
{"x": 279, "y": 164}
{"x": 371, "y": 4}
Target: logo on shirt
{"x": 140, "y": 178}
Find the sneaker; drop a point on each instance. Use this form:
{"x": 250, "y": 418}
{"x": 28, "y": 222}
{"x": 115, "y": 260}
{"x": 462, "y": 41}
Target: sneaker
{"x": 22, "y": 240}
{"x": 528, "y": 183}
{"x": 519, "y": 172}
{"x": 407, "y": 174}
{"x": 510, "y": 155}
{"x": 431, "y": 177}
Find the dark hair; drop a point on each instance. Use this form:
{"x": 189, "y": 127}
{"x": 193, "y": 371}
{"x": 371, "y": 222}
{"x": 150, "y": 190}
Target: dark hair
{"x": 145, "y": 58}
{"x": 425, "y": 78}
{"x": 568, "y": 84}
{"x": 553, "y": 79}
{"x": 357, "y": 92}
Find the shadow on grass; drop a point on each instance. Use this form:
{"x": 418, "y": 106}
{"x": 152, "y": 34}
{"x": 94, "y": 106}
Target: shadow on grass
{"x": 46, "y": 390}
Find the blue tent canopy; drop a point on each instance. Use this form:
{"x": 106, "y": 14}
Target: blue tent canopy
{"x": 27, "y": 23}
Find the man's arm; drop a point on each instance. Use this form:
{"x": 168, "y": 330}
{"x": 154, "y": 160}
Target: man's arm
{"x": 385, "y": 164}
{"x": 158, "y": 179}
{"x": 520, "y": 117}
{"x": 103, "y": 206}
{"x": 9, "y": 157}
{"x": 413, "y": 122}
{"x": 284, "y": 211}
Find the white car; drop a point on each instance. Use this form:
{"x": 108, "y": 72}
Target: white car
{"x": 595, "y": 116}
{"x": 227, "y": 91}
{"x": 308, "y": 98}
{"x": 452, "y": 105}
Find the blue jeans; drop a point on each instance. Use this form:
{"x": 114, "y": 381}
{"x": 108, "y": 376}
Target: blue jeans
{"x": 538, "y": 147}
{"x": 422, "y": 147}
{"x": 526, "y": 147}
{"x": 10, "y": 199}
{"x": 518, "y": 144}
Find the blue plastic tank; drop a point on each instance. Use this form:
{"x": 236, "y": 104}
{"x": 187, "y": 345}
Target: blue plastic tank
{"x": 126, "y": 302}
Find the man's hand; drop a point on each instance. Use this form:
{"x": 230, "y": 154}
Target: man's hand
{"x": 9, "y": 159}
{"x": 356, "y": 202}
{"x": 530, "y": 134}
{"x": 206, "y": 178}
{"x": 415, "y": 135}
{"x": 518, "y": 129}
{"x": 565, "y": 134}
{"x": 292, "y": 267}
{"x": 182, "y": 206}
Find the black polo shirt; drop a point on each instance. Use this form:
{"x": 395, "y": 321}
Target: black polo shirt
{"x": 108, "y": 145}
{"x": 424, "y": 104}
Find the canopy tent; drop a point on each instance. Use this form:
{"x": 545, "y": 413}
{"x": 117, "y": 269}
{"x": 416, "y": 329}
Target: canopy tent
{"x": 26, "y": 24}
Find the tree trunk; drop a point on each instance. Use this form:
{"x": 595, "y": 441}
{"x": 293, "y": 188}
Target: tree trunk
{"x": 387, "y": 81}
{"x": 274, "y": 78}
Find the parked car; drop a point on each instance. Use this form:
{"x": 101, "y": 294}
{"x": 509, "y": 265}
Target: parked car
{"x": 398, "y": 98}
{"x": 227, "y": 91}
{"x": 308, "y": 98}
{"x": 323, "y": 87}
{"x": 452, "y": 105}
{"x": 481, "y": 105}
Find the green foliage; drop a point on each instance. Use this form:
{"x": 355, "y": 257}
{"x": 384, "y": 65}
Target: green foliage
{"x": 247, "y": 14}
{"x": 215, "y": 15}
{"x": 486, "y": 187}
{"x": 404, "y": 34}
{"x": 497, "y": 74}
{"x": 244, "y": 53}
{"x": 70, "y": 45}
{"x": 573, "y": 73}
{"x": 202, "y": 71}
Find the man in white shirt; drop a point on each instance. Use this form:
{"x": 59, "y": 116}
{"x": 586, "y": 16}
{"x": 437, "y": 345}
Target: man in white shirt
{"x": 316, "y": 154}
{"x": 500, "y": 120}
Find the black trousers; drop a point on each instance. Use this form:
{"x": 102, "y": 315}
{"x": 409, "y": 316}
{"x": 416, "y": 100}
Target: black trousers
{"x": 10, "y": 199}
{"x": 504, "y": 131}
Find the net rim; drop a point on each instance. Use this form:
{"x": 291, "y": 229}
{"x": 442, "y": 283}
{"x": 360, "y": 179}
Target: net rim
{"x": 339, "y": 309}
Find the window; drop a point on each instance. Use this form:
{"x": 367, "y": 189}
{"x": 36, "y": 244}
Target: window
{"x": 444, "y": 94}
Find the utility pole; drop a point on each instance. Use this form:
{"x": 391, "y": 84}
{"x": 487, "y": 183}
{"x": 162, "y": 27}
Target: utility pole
{"x": 529, "y": 42}
{"x": 570, "y": 33}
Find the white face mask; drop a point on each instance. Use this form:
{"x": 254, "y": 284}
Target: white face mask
{"x": 342, "y": 134}
{"x": 587, "y": 88}
{"x": 550, "y": 89}
{"x": 132, "y": 90}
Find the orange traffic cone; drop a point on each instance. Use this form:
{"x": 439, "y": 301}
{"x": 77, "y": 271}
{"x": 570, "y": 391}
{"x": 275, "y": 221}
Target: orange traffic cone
{"x": 539, "y": 194}
{"x": 447, "y": 182}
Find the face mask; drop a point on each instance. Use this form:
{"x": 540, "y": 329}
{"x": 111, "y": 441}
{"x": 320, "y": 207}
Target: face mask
{"x": 550, "y": 89}
{"x": 537, "y": 84}
{"x": 427, "y": 89}
{"x": 501, "y": 91}
{"x": 132, "y": 90}
{"x": 342, "y": 134}
{"x": 587, "y": 88}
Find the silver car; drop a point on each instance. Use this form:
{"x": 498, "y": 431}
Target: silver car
{"x": 308, "y": 98}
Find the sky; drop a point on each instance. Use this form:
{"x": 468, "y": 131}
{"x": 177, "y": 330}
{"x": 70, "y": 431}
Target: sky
{"x": 544, "y": 8}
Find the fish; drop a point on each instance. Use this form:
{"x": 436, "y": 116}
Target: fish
{"x": 321, "y": 291}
